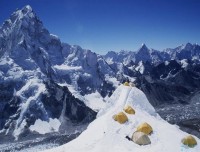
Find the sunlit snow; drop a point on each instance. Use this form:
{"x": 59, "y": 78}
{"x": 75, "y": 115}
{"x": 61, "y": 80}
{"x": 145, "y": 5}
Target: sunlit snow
{"x": 104, "y": 134}
{"x": 44, "y": 127}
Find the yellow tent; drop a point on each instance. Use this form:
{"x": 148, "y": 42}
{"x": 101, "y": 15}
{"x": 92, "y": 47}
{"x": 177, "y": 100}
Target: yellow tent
{"x": 189, "y": 141}
{"x": 120, "y": 117}
{"x": 126, "y": 84}
{"x": 129, "y": 110}
{"x": 145, "y": 128}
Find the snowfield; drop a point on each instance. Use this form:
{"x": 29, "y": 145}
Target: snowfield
{"x": 95, "y": 101}
{"x": 44, "y": 127}
{"x": 105, "y": 134}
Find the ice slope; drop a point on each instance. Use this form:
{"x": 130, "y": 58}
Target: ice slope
{"x": 104, "y": 134}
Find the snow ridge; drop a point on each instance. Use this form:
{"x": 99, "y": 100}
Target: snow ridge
{"x": 105, "y": 134}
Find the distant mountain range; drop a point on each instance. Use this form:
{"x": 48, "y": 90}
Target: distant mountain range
{"x": 43, "y": 78}
{"x": 144, "y": 54}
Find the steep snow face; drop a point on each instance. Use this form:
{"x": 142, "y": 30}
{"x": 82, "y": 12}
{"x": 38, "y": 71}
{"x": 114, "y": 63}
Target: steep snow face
{"x": 84, "y": 70}
{"x": 26, "y": 39}
{"x": 140, "y": 67}
{"x": 28, "y": 98}
{"x": 24, "y": 63}
{"x": 184, "y": 63}
{"x": 104, "y": 67}
{"x": 124, "y": 57}
{"x": 105, "y": 134}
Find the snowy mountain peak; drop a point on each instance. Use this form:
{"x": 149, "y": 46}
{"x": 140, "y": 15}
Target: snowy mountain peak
{"x": 25, "y": 12}
{"x": 143, "y": 54}
{"x": 143, "y": 47}
{"x": 143, "y": 50}
{"x": 27, "y": 8}
{"x": 28, "y": 53}
{"x": 143, "y": 44}
{"x": 188, "y": 46}
{"x": 19, "y": 21}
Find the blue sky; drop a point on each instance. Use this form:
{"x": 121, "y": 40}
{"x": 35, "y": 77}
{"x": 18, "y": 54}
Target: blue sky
{"x": 105, "y": 25}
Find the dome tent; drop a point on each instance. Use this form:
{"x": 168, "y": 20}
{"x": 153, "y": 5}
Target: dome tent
{"x": 120, "y": 117}
{"x": 129, "y": 110}
{"x": 145, "y": 128}
{"x": 141, "y": 138}
{"x": 190, "y": 141}
{"x": 126, "y": 84}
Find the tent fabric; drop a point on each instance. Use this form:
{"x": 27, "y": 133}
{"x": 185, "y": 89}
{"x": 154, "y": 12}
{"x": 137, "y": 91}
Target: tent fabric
{"x": 120, "y": 117}
{"x": 126, "y": 84}
{"x": 145, "y": 128}
{"x": 115, "y": 117}
{"x": 129, "y": 110}
{"x": 141, "y": 138}
{"x": 190, "y": 141}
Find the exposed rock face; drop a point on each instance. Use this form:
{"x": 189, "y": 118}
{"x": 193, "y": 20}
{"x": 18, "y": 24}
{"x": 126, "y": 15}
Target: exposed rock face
{"x": 55, "y": 102}
{"x": 171, "y": 83}
{"x": 174, "y": 91}
{"x": 28, "y": 53}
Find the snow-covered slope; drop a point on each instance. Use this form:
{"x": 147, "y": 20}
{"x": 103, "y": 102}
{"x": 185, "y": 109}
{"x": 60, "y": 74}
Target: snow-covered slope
{"x": 105, "y": 134}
